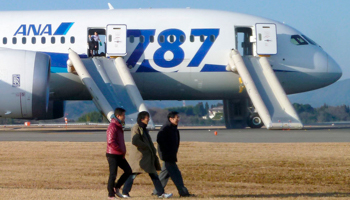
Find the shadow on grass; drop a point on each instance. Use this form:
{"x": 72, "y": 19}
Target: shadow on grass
{"x": 333, "y": 194}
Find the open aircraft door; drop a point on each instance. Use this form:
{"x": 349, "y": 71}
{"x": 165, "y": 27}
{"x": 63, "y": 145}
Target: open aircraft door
{"x": 116, "y": 40}
{"x": 266, "y": 39}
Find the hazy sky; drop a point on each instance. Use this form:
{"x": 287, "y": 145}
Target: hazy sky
{"x": 324, "y": 21}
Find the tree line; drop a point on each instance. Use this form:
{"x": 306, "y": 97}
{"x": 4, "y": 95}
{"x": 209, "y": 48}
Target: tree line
{"x": 190, "y": 115}
{"x": 325, "y": 113}
{"x": 193, "y": 115}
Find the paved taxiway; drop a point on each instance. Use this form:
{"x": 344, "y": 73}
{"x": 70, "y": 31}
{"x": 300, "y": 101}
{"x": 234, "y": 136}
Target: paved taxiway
{"x": 313, "y": 134}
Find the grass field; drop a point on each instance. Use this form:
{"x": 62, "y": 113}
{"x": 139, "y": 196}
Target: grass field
{"x": 66, "y": 170}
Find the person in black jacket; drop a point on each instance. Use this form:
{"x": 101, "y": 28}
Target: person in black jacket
{"x": 168, "y": 140}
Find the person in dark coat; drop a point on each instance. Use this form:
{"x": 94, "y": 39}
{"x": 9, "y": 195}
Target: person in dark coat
{"x": 91, "y": 44}
{"x": 168, "y": 140}
{"x": 95, "y": 39}
{"x": 143, "y": 156}
{"x": 115, "y": 153}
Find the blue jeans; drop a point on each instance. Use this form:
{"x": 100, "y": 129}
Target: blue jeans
{"x": 155, "y": 179}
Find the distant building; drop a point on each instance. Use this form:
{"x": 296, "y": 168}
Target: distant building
{"x": 214, "y": 111}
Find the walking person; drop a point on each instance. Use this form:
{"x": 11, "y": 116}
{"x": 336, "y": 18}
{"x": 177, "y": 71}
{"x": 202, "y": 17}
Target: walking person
{"x": 168, "y": 140}
{"x": 115, "y": 154}
{"x": 143, "y": 156}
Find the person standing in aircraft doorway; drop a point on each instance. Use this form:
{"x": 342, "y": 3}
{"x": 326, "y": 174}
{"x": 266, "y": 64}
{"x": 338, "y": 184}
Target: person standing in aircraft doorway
{"x": 91, "y": 46}
{"x": 96, "y": 39}
{"x": 143, "y": 156}
{"x": 168, "y": 140}
{"x": 115, "y": 153}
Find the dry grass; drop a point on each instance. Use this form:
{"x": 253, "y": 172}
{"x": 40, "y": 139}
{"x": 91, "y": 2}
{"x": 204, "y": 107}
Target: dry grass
{"x": 55, "y": 170}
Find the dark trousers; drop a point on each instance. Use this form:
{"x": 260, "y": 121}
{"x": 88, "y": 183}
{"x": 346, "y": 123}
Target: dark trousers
{"x": 114, "y": 162}
{"x": 170, "y": 170}
{"x": 155, "y": 179}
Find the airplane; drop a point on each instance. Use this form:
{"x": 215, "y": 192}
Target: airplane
{"x": 167, "y": 54}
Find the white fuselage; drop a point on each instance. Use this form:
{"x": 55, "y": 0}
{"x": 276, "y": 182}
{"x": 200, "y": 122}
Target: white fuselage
{"x": 173, "y": 54}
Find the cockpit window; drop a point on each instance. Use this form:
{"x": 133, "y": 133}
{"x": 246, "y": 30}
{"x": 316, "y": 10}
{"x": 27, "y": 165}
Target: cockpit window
{"x": 298, "y": 40}
{"x": 309, "y": 40}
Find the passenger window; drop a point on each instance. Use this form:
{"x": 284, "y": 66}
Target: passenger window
{"x": 297, "y": 40}
{"x": 24, "y": 40}
{"x": 53, "y": 40}
{"x": 43, "y": 40}
{"x": 142, "y": 39}
{"x": 151, "y": 38}
{"x": 14, "y": 40}
{"x": 72, "y": 40}
{"x": 33, "y": 40}
{"x": 63, "y": 40}
{"x": 182, "y": 38}
{"x": 202, "y": 38}
{"x": 4, "y": 40}
{"x": 132, "y": 39}
{"x": 162, "y": 39}
{"x": 172, "y": 39}
{"x": 192, "y": 38}
{"x": 212, "y": 38}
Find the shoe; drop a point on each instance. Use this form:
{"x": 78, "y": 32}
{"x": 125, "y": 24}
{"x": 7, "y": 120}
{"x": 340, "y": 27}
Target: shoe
{"x": 165, "y": 196}
{"x": 125, "y": 196}
{"x": 116, "y": 190}
{"x": 188, "y": 195}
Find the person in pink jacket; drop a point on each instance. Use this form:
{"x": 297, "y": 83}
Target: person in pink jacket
{"x": 115, "y": 153}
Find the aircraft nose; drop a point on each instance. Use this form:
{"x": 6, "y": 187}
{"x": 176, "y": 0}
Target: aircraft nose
{"x": 321, "y": 61}
{"x": 333, "y": 67}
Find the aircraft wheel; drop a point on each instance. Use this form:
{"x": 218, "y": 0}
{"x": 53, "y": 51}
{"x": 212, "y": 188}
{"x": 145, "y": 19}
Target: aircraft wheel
{"x": 254, "y": 121}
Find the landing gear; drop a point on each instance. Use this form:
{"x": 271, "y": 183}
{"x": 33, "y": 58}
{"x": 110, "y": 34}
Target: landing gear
{"x": 254, "y": 121}
{"x": 239, "y": 113}
{"x": 236, "y": 113}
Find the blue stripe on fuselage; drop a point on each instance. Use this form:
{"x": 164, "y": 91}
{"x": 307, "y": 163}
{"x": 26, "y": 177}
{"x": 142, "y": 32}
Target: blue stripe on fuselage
{"x": 222, "y": 68}
{"x": 214, "y": 68}
{"x": 59, "y": 61}
{"x": 278, "y": 70}
{"x": 59, "y": 65}
{"x": 58, "y": 70}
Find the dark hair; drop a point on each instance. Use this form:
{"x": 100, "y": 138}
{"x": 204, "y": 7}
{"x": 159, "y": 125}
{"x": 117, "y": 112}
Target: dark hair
{"x": 119, "y": 111}
{"x": 142, "y": 115}
{"x": 172, "y": 114}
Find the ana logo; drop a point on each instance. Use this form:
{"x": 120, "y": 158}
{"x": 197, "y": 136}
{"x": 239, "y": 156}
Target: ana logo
{"x": 42, "y": 29}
